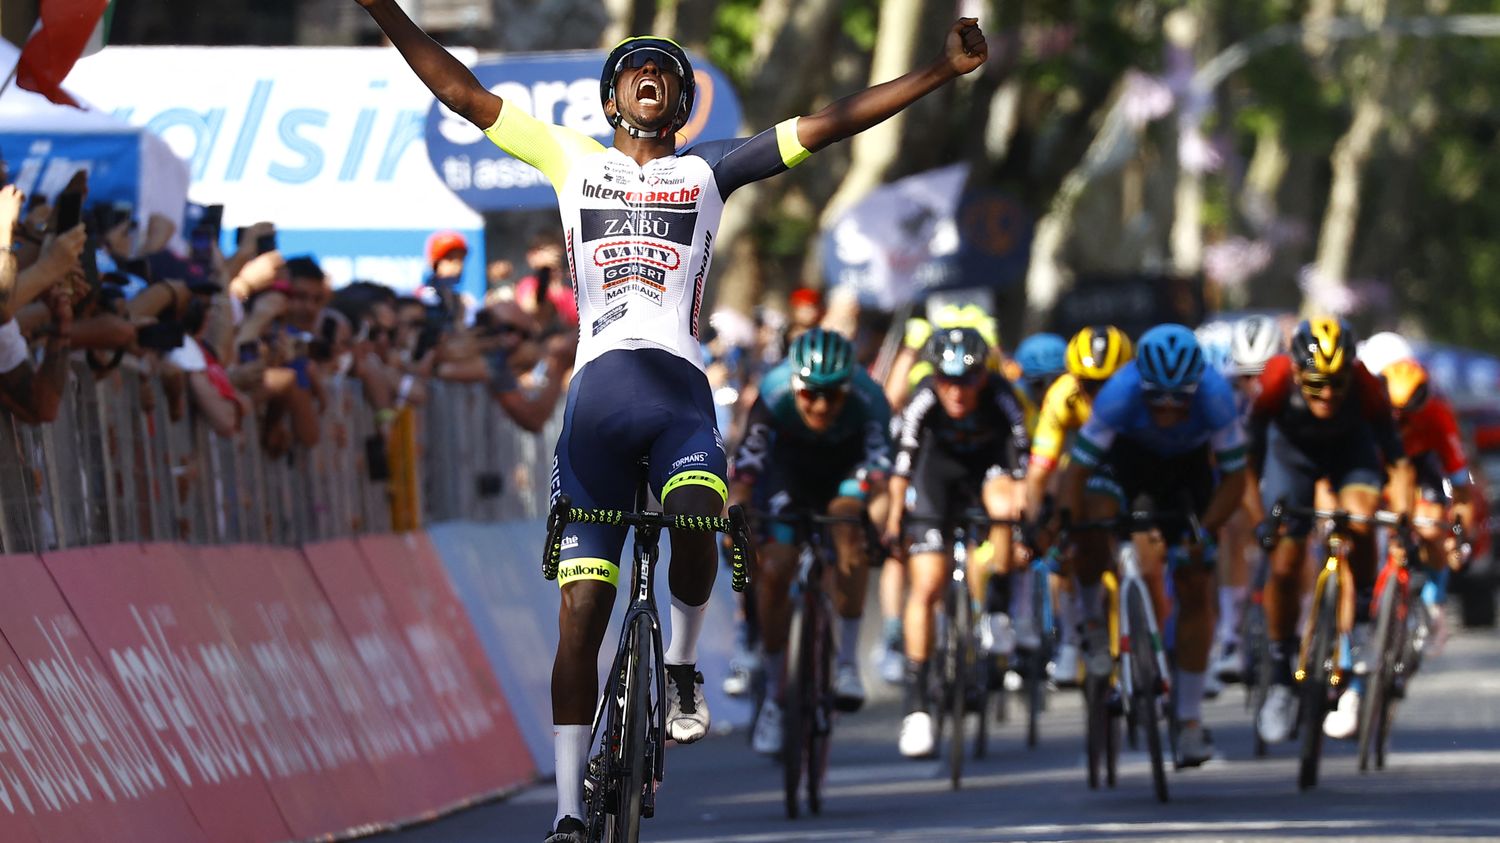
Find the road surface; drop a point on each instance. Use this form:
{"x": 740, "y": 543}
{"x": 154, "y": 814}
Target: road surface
{"x": 1442, "y": 781}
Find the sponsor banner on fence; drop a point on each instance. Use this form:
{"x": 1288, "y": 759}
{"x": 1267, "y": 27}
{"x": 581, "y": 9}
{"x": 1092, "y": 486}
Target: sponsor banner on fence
{"x": 89, "y": 770}
{"x": 496, "y": 569}
{"x": 423, "y": 772}
{"x": 322, "y": 784}
{"x": 19, "y": 710}
{"x": 150, "y": 621}
{"x": 492, "y": 752}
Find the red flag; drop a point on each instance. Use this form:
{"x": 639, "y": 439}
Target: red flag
{"x": 52, "y": 49}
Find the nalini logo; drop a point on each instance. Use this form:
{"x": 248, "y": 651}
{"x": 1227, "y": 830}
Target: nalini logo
{"x": 569, "y": 542}
{"x": 691, "y": 459}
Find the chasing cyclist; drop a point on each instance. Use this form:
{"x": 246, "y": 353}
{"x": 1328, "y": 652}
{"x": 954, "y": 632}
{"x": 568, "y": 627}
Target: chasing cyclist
{"x": 639, "y": 221}
{"x": 1091, "y": 357}
{"x": 816, "y": 439}
{"x": 1320, "y": 416}
{"x": 1160, "y": 428}
{"x": 963, "y": 442}
{"x": 1429, "y": 433}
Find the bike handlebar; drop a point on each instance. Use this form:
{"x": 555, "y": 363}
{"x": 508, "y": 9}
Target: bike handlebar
{"x": 1343, "y": 517}
{"x": 735, "y": 526}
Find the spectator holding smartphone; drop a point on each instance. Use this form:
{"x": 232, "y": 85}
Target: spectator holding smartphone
{"x": 545, "y": 294}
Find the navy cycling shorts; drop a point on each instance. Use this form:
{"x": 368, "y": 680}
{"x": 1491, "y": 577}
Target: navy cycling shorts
{"x": 624, "y": 405}
{"x": 1291, "y": 470}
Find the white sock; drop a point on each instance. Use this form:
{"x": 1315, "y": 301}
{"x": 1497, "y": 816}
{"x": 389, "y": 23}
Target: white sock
{"x": 1190, "y": 695}
{"x": 848, "y": 641}
{"x": 687, "y": 622}
{"x": 1020, "y": 596}
{"x": 570, "y": 750}
{"x": 1231, "y": 604}
{"x": 1068, "y": 616}
{"x": 775, "y": 667}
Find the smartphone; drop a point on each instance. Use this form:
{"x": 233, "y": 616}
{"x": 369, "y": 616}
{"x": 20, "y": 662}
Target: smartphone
{"x": 212, "y": 221}
{"x": 239, "y": 237}
{"x": 139, "y": 267}
{"x": 161, "y": 336}
{"x": 88, "y": 259}
{"x": 265, "y": 243}
{"x": 249, "y": 351}
{"x": 69, "y": 212}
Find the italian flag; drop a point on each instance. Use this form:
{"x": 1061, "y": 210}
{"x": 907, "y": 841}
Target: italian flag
{"x": 66, "y": 31}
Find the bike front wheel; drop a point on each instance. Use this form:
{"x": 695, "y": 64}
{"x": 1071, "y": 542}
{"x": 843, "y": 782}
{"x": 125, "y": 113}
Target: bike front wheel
{"x": 1322, "y": 655}
{"x": 958, "y": 665}
{"x": 1146, "y": 686}
{"x": 1374, "y": 705}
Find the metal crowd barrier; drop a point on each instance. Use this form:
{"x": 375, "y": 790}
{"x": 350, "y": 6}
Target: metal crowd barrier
{"x": 112, "y": 469}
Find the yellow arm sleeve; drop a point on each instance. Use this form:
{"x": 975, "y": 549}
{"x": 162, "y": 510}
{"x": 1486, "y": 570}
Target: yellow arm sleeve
{"x": 551, "y": 149}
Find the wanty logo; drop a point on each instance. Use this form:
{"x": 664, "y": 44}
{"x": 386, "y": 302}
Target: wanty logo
{"x": 691, "y": 459}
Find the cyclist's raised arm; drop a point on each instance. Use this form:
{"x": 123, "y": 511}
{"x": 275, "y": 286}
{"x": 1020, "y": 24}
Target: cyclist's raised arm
{"x": 453, "y": 84}
{"x": 964, "y": 49}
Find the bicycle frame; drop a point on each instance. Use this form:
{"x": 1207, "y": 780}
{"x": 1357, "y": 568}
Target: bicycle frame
{"x": 1128, "y": 563}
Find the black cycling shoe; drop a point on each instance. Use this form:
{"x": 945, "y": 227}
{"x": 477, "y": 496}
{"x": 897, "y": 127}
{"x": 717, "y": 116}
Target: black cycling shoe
{"x": 569, "y": 830}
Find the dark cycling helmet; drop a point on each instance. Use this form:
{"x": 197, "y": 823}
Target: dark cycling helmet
{"x": 669, "y": 57}
{"x": 821, "y": 358}
{"x": 957, "y": 352}
{"x": 1042, "y": 356}
{"x": 1324, "y": 346}
{"x": 1097, "y": 352}
{"x": 1170, "y": 359}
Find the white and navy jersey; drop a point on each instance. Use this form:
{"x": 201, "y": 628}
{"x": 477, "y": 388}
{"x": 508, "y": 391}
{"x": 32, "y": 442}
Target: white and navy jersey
{"x": 640, "y": 239}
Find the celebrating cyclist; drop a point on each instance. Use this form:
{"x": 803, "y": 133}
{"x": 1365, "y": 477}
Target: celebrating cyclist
{"x": 963, "y": 441}
{"x": 816, "y": 440}
{"x": 1091, "y": 357}
{"x": 639, "y": 220}
{"x": 1160, "y": 428}
{"x": 1429, "y": 434}
{"x": 1320, "y": 416}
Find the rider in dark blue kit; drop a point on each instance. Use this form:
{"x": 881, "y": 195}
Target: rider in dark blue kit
{"x": 1160, "y": 428}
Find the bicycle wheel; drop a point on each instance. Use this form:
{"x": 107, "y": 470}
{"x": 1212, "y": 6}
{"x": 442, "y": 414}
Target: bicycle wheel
{"x": 1257, "y": 644}
{"x": 1096, "y": 713}
{"x": 797, "y": 693}
{"x": 1386, "y": 650}
{"x": 1036, "y": 664}
{"x": 820, "y": 733}
{"x": 633, "y": 750}
{"x": 958, "y": 665}
{"x": 1322, "y": 655}
{"x": 1145, "y": 693}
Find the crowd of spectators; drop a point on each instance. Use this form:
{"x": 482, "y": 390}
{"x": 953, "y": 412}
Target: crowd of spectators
{"x": 251, "y": 339}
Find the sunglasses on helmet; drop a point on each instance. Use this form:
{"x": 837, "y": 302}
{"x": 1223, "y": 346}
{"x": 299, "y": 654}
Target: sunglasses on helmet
{"x": 1313, "y": 383}
{"x": 1157, "y": 397}
{"x": 814, "y": 394}
{"x": 637, "y": 58}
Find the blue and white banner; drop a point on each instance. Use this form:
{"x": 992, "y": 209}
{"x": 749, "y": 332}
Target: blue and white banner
{"x": 316, "y": 140}
{"x": 924, "y": 233}
{"x": 42, "y": 162}
{"x": 558, "y": 88}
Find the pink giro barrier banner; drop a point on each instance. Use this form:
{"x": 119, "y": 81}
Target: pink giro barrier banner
{"x": 246, "y": 693}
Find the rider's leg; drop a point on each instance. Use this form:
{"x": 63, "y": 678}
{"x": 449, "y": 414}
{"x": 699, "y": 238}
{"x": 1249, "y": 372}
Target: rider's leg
{"x": 773, "y": 582}
{"x": 1234, "y": 579}
{"x": 853, "y": 575}
{"x": 928, "y": 572}
{"x": 693, "y": 570}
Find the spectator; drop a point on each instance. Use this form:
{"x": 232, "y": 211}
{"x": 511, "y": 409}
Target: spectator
{"x": 309, "y": 294}
{"x": 547, "y": 294}
{"x": 33, "y": 393}
{"x": 806, "y": 306}
{"x": 446, "y": 253}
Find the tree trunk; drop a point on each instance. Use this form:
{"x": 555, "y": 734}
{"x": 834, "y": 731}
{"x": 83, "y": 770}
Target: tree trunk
{"x": 780, "y": 89}
{"x": 1329, "y": 285}
{"x": 877, "y": 148}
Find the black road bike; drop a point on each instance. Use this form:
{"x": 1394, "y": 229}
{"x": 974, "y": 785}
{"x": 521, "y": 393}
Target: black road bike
{"x": 627, "y": 750}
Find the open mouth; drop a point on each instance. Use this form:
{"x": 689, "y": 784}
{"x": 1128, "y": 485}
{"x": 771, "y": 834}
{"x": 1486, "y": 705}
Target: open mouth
{"x": 648, "y": 92}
